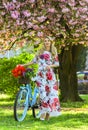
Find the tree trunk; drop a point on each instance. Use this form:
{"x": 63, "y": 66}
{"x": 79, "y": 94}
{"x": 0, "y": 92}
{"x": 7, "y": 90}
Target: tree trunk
{"x": 67, "y": 73}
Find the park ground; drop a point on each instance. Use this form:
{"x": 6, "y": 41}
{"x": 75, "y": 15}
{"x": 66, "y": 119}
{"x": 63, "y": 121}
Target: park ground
{"x": 74, "y": 117}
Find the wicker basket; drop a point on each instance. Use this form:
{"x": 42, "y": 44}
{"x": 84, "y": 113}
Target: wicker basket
{"x": 24, "y": 80}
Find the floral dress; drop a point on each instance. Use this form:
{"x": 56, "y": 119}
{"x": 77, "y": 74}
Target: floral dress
{"x": 47, "y": 84}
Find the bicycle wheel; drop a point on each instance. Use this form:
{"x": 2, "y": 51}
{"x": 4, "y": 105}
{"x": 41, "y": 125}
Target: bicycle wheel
{"x": 21, "y": 105}
{"x": 35, "y": 108}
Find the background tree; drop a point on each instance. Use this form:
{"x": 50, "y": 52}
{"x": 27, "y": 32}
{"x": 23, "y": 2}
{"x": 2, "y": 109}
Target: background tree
{"x": 66, "y": 21}
{"x": 81, "y": 63}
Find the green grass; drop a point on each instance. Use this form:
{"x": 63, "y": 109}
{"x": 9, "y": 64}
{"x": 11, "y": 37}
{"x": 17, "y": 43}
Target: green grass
{"x": 83, "y": 104}
{"x": 70, "y": 119}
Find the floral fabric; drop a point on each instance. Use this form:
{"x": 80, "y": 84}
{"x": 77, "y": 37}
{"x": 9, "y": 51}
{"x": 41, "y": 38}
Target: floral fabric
{"x": 47, "y": 84}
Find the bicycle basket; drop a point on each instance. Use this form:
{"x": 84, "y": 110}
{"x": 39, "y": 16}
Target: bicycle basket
{"x": 24, "y": 80}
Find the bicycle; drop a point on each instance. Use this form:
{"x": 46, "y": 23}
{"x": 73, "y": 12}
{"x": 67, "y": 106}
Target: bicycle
{"x": 26, "y": 98}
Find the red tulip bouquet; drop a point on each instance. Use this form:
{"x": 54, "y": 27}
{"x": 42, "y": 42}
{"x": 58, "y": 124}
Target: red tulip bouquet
{"x": 24, "y": 74}
{"x": 18, "y": 71}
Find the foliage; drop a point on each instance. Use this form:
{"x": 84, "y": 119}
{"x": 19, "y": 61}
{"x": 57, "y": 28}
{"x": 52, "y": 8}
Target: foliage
{"x": 8, "y": 83}
{"x": 65, "y": 20}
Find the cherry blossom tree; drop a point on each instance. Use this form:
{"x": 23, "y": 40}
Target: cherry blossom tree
{"x": 65, "y": 21}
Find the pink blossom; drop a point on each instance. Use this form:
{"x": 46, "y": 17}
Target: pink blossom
{"x": 65, "y": 10}
{"x": 86, "y": 1}
{"x": 86, "y": 19}
{"x": 63, "y": 0}
{"x": 81, "y": 42}
{"x": 37, "y": 42}
{"x": 1, "y": 21}
{"x": 82, "y": 3}
{"x": 74, "y": 13}
{"x": 31, "y": 1}
{"x": 26, "y": 13}
{"x": 5, "y": 5}
{"x": 31, "y": 33}
{"x": 71, "y": 2}
{"x": 14, "y": 1}
{"x": 36, "y": 27}
{"x": 19, "y": 23}
{"x": 77, "y": 14}
{"x": 15, "y": 14}
{"x": 18, "y": 6}
{"x": 3, "y": 13}
{"x": 78, "y": 30}
{"x": 51, "y": 10}
{"x": 71, "y": 22}
{"x": 50, "y": 16}
{"x": 29, "y": 24}
{"x": 42, "y": 26}
{"x": 83, "y": 10}
{"x": 76, "y": 35}
{"x": 11, "y": 6}
{"x": 41, "y": 19}
{"x": 40, "y": 34}
{"x": 84, "y": 16}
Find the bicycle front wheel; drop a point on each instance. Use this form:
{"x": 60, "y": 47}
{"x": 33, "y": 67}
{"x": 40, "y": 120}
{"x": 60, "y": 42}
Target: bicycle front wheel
{"x": 21, "y": 105}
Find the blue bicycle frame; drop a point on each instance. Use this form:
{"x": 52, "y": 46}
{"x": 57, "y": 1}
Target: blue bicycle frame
{"x": 31, "y": 98}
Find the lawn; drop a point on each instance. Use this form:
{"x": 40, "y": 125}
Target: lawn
{"x": 74, "y": 117}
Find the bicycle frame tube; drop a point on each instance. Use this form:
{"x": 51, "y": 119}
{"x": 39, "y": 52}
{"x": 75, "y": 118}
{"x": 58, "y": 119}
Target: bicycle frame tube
{"x": 31, "y": 99}
{"x": 36, "y": 91}
{"x": 28, "y": 87}
{"x": 29, "y": 94}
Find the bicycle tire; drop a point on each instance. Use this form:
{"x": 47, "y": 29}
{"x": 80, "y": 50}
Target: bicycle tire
{"x": 34, "y": 111}
{"x": 21, "y": 105}
{"x": 35, "y": 108}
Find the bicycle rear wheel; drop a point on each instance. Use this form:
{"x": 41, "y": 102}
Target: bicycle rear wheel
{"x": 35, "y": 108}
{"x": 21, "y": 105}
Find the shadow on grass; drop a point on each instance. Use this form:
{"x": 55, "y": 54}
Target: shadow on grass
{"x": 6, "y": 99}
{"x": 73, "y": 104}
{"x": 76, "y": 104}
{"x": 69, "y": 120}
